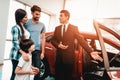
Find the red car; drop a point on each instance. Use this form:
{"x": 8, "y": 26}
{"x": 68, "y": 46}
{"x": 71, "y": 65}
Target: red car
{"x": 86, "y": 68}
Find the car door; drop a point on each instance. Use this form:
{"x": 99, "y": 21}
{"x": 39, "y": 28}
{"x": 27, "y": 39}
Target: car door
{"x": 111, "y": 63}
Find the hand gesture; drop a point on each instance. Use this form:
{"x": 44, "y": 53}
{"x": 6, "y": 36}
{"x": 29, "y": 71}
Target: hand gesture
{"x": 95, "y": 56}
{"x": 62, "y": 46}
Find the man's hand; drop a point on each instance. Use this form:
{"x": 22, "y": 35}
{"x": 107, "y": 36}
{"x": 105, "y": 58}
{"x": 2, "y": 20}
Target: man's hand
{"x": 95, "y": 56}
{"x": 62, "y": 46}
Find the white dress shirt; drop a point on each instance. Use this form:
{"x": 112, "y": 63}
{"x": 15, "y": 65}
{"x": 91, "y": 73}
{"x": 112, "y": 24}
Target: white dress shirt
{"x": 66, "y": 26}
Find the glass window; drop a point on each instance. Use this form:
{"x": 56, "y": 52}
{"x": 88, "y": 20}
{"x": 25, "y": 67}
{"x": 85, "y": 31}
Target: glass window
{"x": 45, "y": 18}
{"x": 28, "y": 12}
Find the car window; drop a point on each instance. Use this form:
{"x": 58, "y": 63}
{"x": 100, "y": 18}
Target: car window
{"x": 114, "y": 25}
{"x": 108, "y": 47}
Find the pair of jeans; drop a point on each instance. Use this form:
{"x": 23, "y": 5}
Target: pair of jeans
{"x": 36, "y": 62}
{"x": 14, "y": 65}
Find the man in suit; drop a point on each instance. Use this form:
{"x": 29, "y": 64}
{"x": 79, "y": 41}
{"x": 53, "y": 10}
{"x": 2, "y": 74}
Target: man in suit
{"x": 63, "y": 39}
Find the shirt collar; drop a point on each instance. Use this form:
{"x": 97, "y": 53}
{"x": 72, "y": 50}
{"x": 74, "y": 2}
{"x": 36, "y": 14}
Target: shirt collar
{"x": 66, "y": 25}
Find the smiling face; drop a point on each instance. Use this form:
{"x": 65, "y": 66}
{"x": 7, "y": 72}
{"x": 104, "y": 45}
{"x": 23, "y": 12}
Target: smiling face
{"x": 36, "y": 11}
{"x": 36, "y": 15}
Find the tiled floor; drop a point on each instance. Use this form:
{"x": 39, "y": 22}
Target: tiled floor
{"x": 6, "y": 70}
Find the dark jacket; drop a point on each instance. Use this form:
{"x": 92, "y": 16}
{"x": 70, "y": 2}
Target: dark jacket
{"x": 68, "y": 38}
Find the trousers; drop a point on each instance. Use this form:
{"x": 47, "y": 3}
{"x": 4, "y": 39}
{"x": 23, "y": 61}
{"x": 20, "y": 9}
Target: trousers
{"x": 36, "y": 62}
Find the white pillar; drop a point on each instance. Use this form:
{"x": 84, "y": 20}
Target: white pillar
{"x": 4, "y": 10}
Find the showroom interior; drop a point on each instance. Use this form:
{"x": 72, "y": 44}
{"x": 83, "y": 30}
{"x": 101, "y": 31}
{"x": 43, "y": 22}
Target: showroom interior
{"x": 82, "y": 14}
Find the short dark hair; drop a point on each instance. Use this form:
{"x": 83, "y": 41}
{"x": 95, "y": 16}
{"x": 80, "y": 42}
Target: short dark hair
{"x": 35, "y": 8}
{"x": 26, "y": 44}
{"x": 66, "y": 12}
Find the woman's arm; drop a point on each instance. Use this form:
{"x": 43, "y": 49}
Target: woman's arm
{"x": 15, "y": 39}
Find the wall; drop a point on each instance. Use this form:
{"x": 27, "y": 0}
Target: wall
{"x": 4, "y": 8}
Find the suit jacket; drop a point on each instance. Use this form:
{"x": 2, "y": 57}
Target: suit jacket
{"x": 68, "y": 38}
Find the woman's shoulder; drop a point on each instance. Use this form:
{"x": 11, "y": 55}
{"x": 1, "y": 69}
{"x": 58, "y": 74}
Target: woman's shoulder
{"x": 15, "y": 27}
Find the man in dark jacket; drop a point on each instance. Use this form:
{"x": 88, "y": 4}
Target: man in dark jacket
{"x": 63, "y": 39}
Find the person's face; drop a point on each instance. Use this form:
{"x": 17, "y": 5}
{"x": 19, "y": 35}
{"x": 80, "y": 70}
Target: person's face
{"x": 36, "y": 15}
{"x": 63, "y": 19}
{"x": 32, "y": 48}
{"x": 24, "y": 19}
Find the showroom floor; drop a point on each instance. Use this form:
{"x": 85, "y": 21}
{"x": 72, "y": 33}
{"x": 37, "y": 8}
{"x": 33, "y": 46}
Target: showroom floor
{"x": 6, "y": 70}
